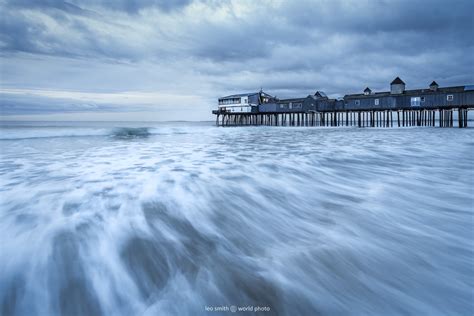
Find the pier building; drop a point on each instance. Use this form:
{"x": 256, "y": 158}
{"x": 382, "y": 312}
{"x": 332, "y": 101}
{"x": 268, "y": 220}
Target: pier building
{"x": 430, "y": 106}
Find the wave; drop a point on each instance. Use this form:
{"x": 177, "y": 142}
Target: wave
{"x": 116, "y": 132}
{"x": 131, "y": 132}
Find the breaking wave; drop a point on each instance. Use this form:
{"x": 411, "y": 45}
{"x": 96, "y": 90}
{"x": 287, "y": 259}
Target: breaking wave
{"x": 131, "y": 132}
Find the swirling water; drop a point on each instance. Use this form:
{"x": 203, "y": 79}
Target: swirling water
{"x": 184, "y": 219}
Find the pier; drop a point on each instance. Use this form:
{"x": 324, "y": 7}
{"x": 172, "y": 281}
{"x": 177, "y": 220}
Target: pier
{"x": 434, "y": 106}
{"x": 372, "y": 118}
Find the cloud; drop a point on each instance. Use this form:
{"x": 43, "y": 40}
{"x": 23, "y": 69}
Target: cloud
{"x": 128, "y": 6}
{"x": 17, "y": 101}
{"x": 212, "y": 48}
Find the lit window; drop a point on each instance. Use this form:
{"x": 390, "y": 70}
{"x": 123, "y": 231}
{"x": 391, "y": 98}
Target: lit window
{"x": 376, "y": 101}
{"x": 449, "y": 97}
{"x": 415, "y": 101}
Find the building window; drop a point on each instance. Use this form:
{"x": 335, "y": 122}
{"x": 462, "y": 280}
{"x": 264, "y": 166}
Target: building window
{"x": 415, "y": 101}
{"x": 357, "y": 102}
{"x": 449, "y": 97}
{"x": 376, "y": 101}
{"x": 422, "y": 99}
{"x": 297, "y": 106}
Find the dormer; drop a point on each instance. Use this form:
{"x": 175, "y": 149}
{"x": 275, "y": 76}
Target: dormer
{"x": 367, "y": 91}
{"x": 434, "y": 86}
{"x": 397, "y": 86}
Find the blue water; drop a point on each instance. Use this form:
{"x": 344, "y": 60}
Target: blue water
{"x": 186, "y": 219}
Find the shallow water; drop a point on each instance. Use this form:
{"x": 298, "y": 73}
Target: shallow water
{"x": 179, "y": 219}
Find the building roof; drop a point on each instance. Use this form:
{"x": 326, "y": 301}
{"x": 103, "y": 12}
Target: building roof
{"x": 238, "y": 95}
{"x": 397, "y": 81}
{"x": 433, "y": 84}
{"x": 320, "y": 94}
{"x": 246, "y": 95}
{"x": 291, "y": 100}
{"x": 367, "y": 89}
{"x": 407, "y": 92}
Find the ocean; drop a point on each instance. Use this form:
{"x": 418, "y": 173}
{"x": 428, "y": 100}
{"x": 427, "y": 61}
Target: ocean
{"x": 191, "y": 219}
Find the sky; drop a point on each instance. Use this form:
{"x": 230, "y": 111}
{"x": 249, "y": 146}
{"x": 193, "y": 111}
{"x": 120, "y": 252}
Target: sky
{"x": 159, "y": 60}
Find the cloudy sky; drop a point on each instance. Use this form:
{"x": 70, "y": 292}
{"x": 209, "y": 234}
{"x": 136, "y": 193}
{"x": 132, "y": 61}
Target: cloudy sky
{"x": 171, "y": 60}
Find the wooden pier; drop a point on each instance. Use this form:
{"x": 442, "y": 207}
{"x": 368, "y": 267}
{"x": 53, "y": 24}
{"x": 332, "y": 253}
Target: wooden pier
{"x": 358, "y": 118}
{"x": 398, "y": 107}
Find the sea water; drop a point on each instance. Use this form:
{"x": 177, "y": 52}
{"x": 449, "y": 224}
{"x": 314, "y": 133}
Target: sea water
{"x": 193, "y": 219}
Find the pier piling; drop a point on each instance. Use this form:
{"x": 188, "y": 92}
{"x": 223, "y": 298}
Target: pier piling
{"x": 440, "y": 117}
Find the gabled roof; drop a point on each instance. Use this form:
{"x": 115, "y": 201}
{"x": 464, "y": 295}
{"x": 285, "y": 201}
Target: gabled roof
{"x": 264, "y": 94}
{"x": 433, "y": 84}
{"x": 397, "y": 81}
{"x": 367, "y": 90}
{"x": 320, "y": 94}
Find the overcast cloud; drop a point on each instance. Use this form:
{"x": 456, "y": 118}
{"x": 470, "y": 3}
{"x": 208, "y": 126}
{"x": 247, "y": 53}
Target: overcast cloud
{"x": 171, "y": 60}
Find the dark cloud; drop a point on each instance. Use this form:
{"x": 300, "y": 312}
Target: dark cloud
{"x": 400, "y": 27}
{"x": 381, "y": 16}
{"x": 215, "y": 47}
